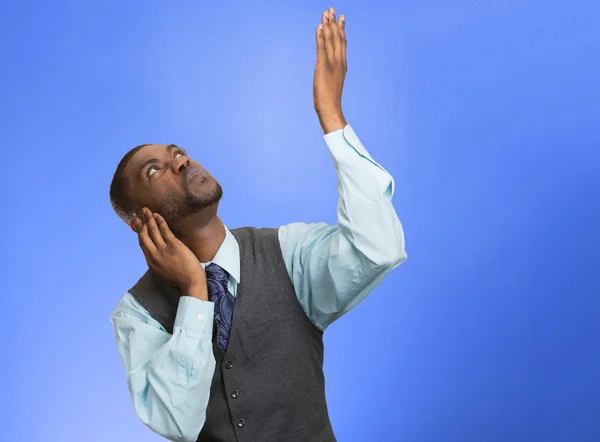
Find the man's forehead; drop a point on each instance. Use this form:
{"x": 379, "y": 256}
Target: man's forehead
{"x": 145, "y": 153}
{"x": 149, "y": 150}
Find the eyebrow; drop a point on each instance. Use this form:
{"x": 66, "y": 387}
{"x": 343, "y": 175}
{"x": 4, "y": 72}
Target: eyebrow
{"x": 155, "y": 160}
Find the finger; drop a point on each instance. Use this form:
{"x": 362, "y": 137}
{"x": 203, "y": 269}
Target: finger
{"x": 328, "y": 36}
{"x": 337, "y": 36}
{"x": 136, "y": 223}
{"x": 342, "y": 28}
{"x": 146, "y": 243}
{"x": 155, "y": 234}
{"x": 164, "y": 230}
{"x": 321, "y": 55}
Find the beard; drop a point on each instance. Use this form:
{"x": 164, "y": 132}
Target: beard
{"x": 179, "y": 207}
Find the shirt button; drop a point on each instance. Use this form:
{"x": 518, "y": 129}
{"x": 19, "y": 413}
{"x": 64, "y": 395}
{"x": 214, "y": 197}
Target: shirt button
{"x": 228, "y": 364}
{"x": 241, "y": 423}
{"x": 200, "y": 316}
{"x": 235, "y": 394}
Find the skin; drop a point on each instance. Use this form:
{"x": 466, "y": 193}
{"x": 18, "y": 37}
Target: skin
{"x": 330, "y": 71}
{"x": 177, "y": 222}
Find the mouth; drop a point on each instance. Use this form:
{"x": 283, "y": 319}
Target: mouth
{"x": 192, "y": 173}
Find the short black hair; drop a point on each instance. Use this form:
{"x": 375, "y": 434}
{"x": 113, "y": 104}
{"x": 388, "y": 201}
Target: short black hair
{"x": 120, "y": 198}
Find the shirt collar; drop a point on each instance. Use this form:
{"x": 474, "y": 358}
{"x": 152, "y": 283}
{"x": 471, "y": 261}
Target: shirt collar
{"x": 228, "y": 256}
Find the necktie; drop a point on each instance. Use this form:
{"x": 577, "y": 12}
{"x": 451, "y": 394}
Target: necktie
{"x": 216, "y": 281}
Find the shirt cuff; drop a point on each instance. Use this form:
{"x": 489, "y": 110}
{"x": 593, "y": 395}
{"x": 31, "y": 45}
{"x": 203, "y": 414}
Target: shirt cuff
{"x": 338, "y": 142}
{"x": 347, "y": 151}
{"x": 192, "y": 313}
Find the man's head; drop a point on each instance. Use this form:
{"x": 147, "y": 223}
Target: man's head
{"x": 164, "y": 179}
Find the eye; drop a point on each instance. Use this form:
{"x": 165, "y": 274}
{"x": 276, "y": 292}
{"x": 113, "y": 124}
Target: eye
{"x": 155, "y": 168}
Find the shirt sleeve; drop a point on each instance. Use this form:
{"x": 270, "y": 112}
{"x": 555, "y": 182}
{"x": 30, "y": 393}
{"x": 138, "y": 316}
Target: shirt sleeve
{"x": 169, "y": 376}
{"x": 333, "y": 268}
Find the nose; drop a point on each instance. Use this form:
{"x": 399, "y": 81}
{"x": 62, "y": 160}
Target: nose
{"x": 180, "y": 164}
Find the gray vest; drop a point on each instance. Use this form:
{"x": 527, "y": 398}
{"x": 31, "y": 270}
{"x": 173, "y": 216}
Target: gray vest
{"x": 269, "y": 385}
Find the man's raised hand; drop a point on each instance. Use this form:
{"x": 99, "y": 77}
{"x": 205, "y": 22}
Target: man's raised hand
{"x": 167, "y": 256}
{"x": 330, "y": 71}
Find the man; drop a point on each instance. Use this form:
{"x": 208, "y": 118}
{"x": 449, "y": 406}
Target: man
{"x": 221, "y": 338}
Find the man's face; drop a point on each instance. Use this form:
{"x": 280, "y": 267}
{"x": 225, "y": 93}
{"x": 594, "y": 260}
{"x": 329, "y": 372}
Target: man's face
{"x": 164, "y": 179}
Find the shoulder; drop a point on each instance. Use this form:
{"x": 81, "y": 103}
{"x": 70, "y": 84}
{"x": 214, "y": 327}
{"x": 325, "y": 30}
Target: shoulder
{"x": 128, "y": 306}
{"x": 250, "y": 230}
{"x": 255, "y": 234}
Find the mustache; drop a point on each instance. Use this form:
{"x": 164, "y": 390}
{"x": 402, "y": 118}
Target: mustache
{"x": 190, "y": 172}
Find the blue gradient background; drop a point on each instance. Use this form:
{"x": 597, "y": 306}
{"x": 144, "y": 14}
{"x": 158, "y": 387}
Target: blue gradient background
{"x": 485, "y": 113}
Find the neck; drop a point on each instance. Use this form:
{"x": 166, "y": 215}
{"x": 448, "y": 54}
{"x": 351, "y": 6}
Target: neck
{"x": 203, "y": 236}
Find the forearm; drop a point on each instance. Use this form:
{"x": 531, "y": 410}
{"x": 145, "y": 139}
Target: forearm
{"x": 169, "y": 376}
{"x": 366, "y": 216}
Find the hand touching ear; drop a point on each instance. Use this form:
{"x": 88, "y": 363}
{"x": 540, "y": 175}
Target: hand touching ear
{"x": 168, "y": 256}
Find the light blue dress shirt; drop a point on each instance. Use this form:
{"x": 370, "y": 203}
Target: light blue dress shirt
{"x": 332, "y": 269}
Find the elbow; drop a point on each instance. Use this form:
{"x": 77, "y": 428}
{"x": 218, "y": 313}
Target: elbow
{"x": 392, "y": 251}
{"x": 385, "y": 259}
{"x": 397, "y": 250}
{"x": 190, "y": 435}
{"x": 396, "y": 258}
{"x": 401, "y": 257}
{"x": 188, "y": 430}
{"x": 179, "y": 424}
{"x": 180, "y": 432}
{"x": 392, "y": 254}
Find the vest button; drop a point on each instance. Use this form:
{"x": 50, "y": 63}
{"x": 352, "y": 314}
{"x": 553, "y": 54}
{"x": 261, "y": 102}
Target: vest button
{"x": 235, "y": 394}
{"x": 228, "y": 364}
{"x": 241, "y": 423}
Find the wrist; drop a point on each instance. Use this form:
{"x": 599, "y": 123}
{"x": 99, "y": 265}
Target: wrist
{"x": 332, "y": 122}
{"x": 196, "y": 290}
{"x": 195, "y": 315}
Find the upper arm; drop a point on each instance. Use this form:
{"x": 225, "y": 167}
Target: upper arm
{"x": 137, "y": 334}
{"x": 329, "y": 273}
